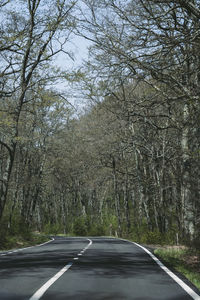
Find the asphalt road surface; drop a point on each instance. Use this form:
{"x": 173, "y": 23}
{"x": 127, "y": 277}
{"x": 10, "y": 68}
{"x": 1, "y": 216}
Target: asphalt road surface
{"x": 88, "y": 268}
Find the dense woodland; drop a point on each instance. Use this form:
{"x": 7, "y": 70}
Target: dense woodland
{"x": 129, "y": 164}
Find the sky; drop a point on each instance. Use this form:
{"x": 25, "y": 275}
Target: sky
{"x": 77, "y": 45}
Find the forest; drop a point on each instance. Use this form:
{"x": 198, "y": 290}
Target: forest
{"x": 125, "y": 165}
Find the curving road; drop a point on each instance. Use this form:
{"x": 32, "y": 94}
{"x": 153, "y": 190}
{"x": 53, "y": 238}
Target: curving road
{"x": 88, "y": 268}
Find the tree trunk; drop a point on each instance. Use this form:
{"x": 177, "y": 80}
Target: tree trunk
{"x": 187, "y": 203}
{"x": 116, "y": 197}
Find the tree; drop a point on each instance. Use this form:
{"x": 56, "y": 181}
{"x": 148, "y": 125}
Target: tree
{"x": 32, "y": 38}
{"x": 153, "y": 42}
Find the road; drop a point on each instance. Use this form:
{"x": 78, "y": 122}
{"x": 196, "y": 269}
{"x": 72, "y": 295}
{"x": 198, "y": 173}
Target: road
{"x": 87, "y": 268}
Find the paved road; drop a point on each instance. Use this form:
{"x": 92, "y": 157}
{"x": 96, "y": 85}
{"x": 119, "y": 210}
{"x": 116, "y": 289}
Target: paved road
{"x": 92, "y": 269}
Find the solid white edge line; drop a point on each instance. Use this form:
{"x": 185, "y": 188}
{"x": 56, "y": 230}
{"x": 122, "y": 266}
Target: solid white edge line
{"x": 192, "y": 293}
{"x": 21, "y": 249}
{"x": 52, "y": 239}
{"x": 39, "y": 293}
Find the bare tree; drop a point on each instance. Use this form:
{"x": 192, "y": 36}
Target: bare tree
{"x": 32, "y": 36}
{"x": 157, "y": 43}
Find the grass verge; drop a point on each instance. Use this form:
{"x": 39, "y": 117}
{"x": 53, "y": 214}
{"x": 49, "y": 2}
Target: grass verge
{"x": 21, "y": 241}
{"x": 183, "y": 260}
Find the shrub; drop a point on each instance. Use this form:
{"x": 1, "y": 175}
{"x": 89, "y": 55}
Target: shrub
{"x": 97, "y": 230}
{"x": 80, "y": 227}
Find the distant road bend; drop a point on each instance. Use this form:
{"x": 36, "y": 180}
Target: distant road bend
{"x": 89, "y": 268}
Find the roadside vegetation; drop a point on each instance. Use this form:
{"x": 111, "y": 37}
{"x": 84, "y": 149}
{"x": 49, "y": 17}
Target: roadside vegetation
{"x": 128, "y": 164}
{"x": 21, "y": 237}
{"x": 20, "y": 241}
{"x": 182, "y": 259}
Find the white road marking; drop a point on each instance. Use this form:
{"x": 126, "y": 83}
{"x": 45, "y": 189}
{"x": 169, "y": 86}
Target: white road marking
{"x": 52, "y": 239}
{"x": 170, "y": 273}
{"x": 80, "y": 254}
{"x": 75, "y": 258}
{"x": 39, "y": 293}
{"x": 45, "y": 287}
{"x": 21, "y": 249}
{"x": 90, "y": 243}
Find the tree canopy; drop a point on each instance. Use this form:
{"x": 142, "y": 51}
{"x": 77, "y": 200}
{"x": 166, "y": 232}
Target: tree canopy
{"x": 128, "y": 165}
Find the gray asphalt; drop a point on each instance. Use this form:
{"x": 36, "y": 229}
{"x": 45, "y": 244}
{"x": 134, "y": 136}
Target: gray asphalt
{"x": 108, "y": 269}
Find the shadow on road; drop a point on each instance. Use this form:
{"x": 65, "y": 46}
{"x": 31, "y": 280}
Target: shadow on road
{"x": 114, "y": 263}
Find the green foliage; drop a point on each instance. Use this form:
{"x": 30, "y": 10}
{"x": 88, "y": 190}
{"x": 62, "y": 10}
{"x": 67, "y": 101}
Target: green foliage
{"x": 84, "y": 226}
{"x": 154, "y": 237}
{"x": 110, "y": 224}
{"x": 147, "y": 237}
{"x": 97, "y": 230}
{"x": 3, "y": 235}
{"x": 80, "y": 227}
{"x": 182, "y": 259}
{"x": 53, "y": 229}
{"x": 18, "y": 234}
{"x": 19, "y": 241}
{"x": 142, "y": 234}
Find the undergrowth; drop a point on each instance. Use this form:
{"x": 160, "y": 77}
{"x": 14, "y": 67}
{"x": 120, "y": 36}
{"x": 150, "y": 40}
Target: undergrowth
{"x": 20, "y": 240}
{"x": 184, "y": 260}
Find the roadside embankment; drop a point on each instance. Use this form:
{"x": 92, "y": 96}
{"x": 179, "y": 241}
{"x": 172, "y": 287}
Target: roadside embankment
{"x": 182, "y": 259}
{"x": 21, "y": 241}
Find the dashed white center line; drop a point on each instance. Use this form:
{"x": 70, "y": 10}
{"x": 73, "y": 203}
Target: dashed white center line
{"x": 45, "y": 287}
{"x": 39, "y": 293}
